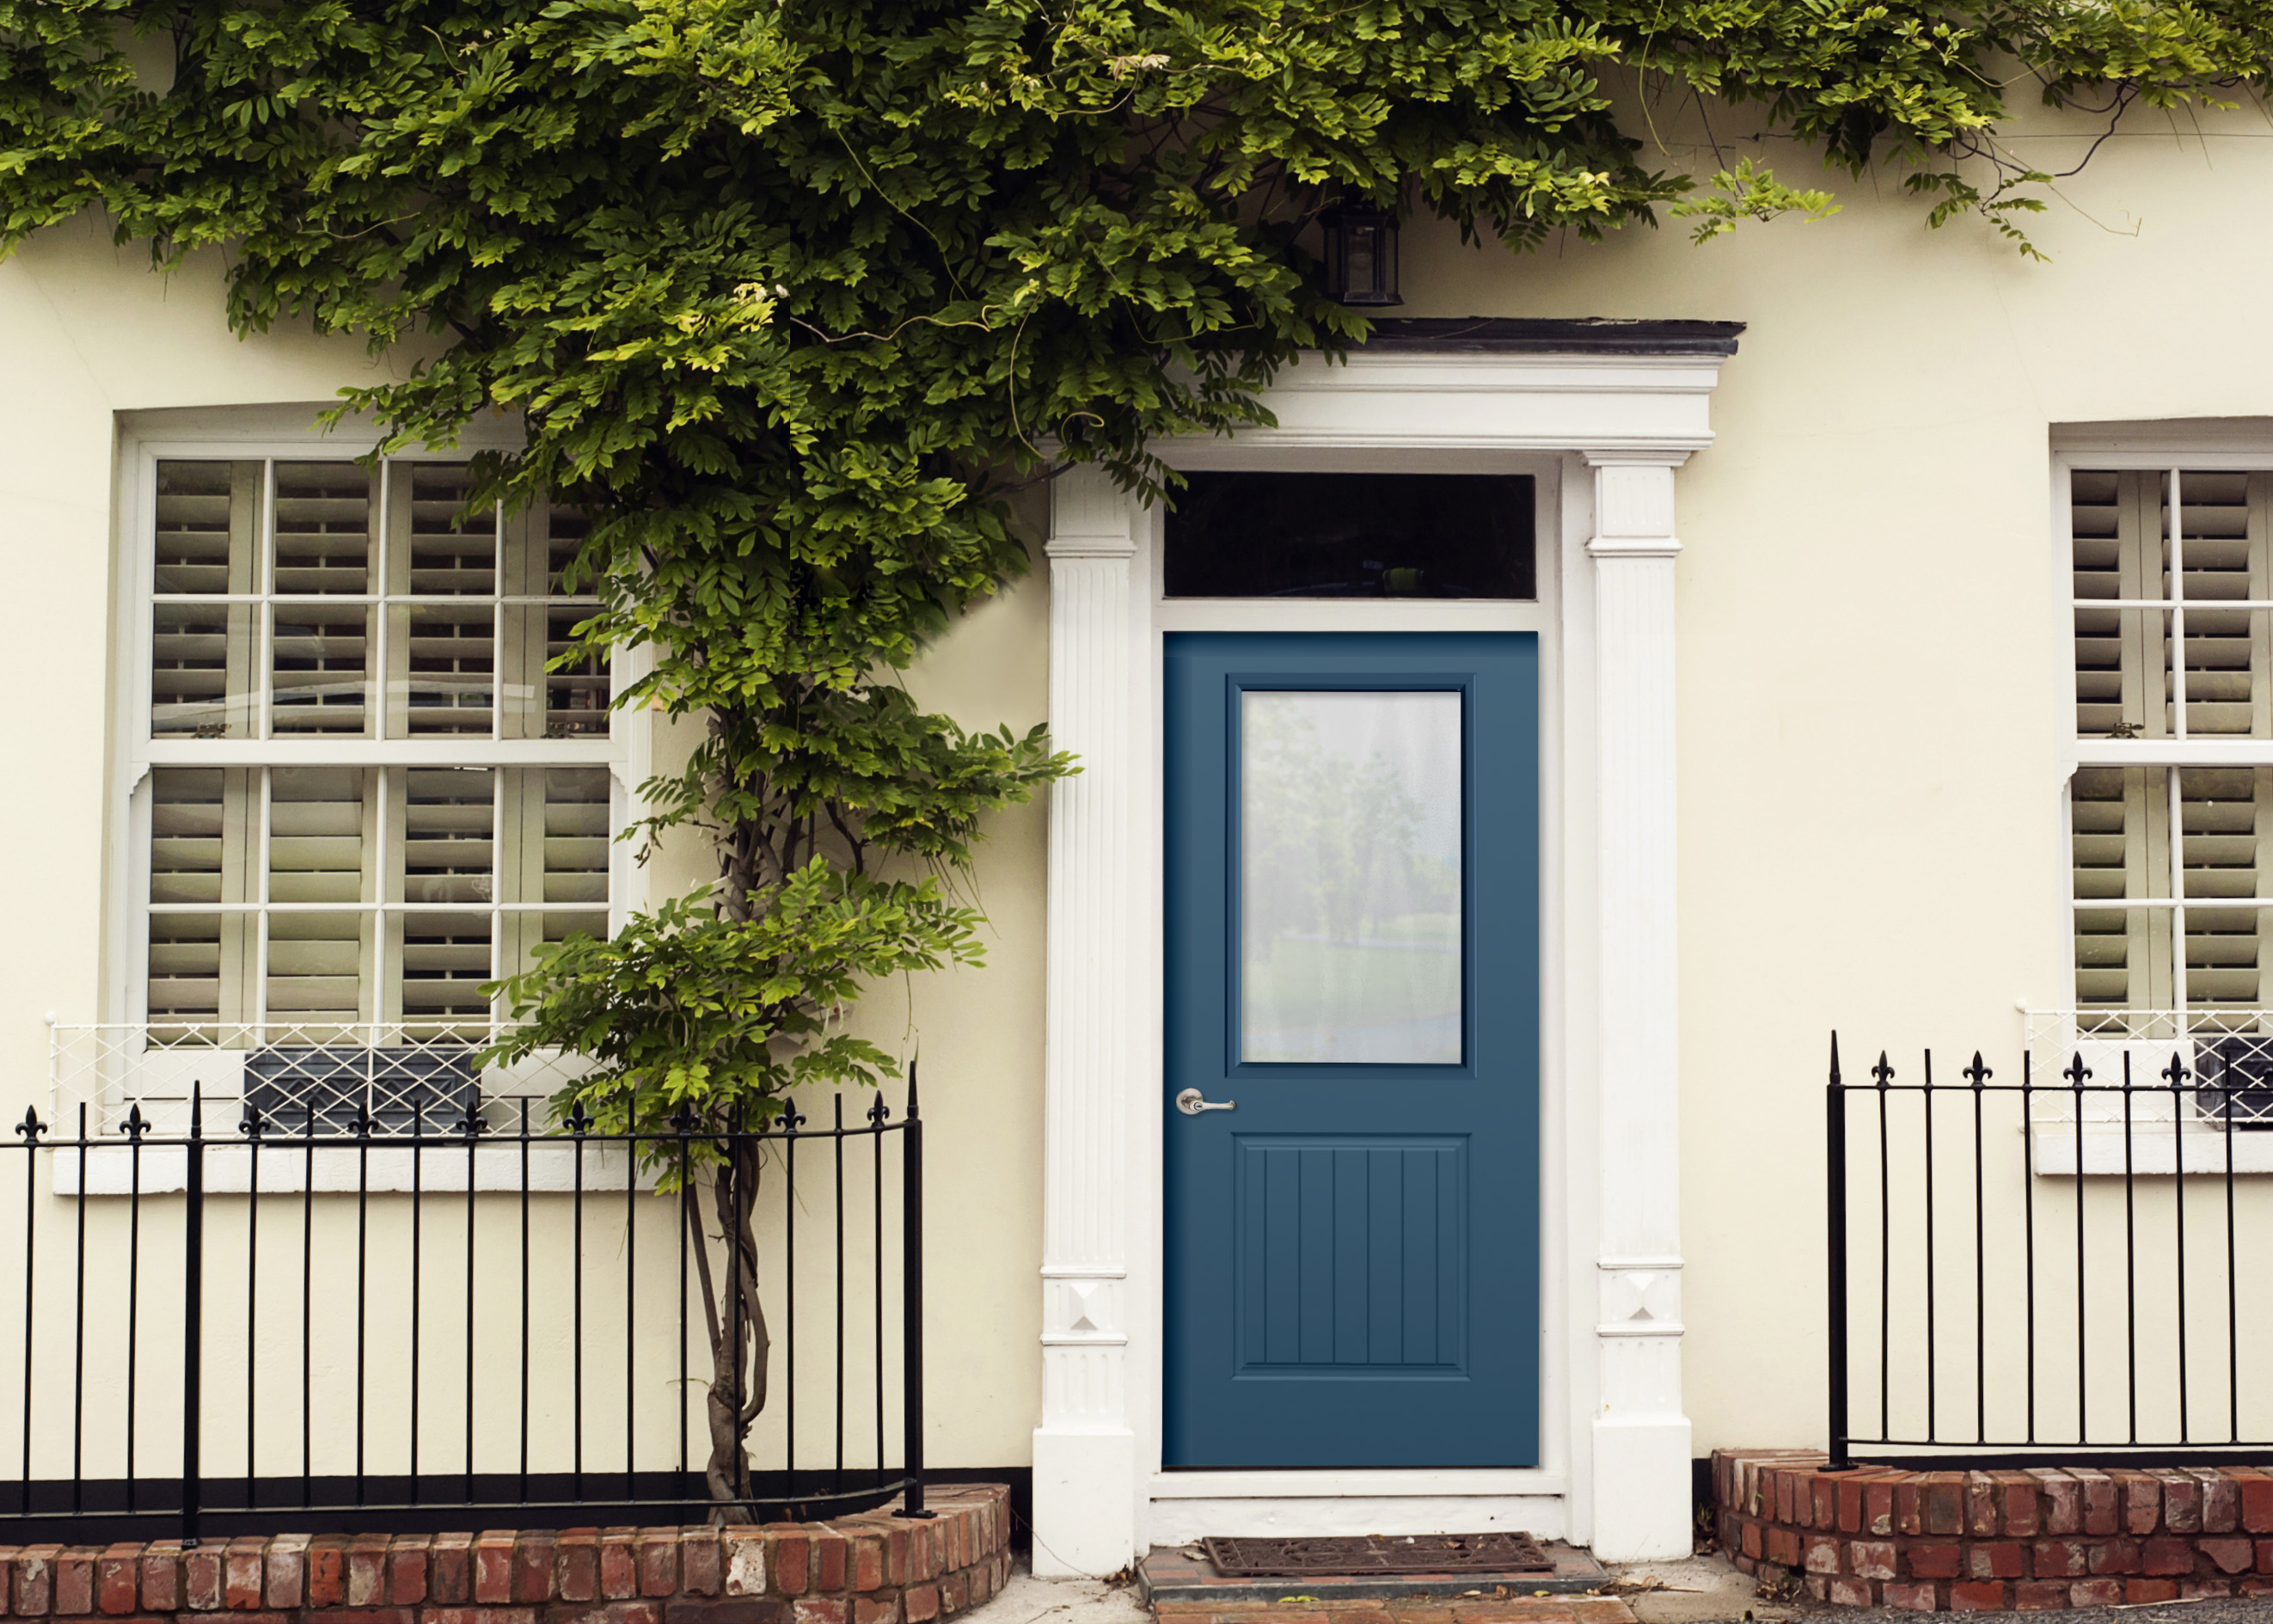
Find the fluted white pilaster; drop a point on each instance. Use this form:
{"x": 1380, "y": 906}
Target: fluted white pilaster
{"x": 1641, "y": 1437}
{"x": 1084, "y": 1453}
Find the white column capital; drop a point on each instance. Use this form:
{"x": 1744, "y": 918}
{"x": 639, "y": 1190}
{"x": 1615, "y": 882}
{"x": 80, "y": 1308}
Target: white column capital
{"x": 1633, "y": 509}
{"x": 1090, "y": 516}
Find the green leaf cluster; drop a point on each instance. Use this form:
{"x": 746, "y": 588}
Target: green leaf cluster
{"x": 794, "y": 297}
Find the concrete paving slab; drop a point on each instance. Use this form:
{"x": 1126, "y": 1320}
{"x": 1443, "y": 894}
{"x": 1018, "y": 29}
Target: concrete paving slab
{"x": 1028, "y": 1600}
{"x": 1695, "y": 1589}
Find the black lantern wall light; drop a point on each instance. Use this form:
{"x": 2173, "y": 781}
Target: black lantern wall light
{"x": 1360, "y": 255}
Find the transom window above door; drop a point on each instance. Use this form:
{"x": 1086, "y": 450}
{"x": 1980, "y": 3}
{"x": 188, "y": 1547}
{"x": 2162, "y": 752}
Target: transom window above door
{"x": 1353, "y": 535}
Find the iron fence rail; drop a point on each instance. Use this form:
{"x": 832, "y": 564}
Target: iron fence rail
{"x": 2030, "y": 1269}
{"x": 405, "y": 1350}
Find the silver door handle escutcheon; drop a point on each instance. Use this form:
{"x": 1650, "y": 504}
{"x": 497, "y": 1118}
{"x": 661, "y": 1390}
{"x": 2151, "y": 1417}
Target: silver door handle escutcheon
{"x": 1192, "y": 1104}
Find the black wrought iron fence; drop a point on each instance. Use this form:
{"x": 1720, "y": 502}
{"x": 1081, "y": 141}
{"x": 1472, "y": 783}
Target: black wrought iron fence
{"x": 2030, "y": 1268}
{"x": 300, "y": 1309}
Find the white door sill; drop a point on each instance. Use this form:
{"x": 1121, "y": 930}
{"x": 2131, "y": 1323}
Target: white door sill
{"x": 1371, "y": 1482}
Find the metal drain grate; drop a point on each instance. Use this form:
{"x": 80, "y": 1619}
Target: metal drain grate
{"x": 1379, "y": 1553}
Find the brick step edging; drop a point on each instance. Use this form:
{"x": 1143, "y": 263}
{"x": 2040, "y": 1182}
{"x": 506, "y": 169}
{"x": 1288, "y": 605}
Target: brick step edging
{"x": 870, "y": 1567}
{"x": 1993, "y": 1541}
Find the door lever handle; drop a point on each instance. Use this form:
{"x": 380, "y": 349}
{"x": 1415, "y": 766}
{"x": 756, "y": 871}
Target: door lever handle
{"x": 1192, "y": 1104}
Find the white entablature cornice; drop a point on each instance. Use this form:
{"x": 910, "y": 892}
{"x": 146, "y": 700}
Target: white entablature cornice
{"x": 1654, "y": 406}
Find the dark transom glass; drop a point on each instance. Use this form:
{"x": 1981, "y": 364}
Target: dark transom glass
{"x": 1300, "y": 535}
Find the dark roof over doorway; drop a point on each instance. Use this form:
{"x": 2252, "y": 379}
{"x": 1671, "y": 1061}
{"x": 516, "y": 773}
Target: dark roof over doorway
{"x": 1552, "y": 335}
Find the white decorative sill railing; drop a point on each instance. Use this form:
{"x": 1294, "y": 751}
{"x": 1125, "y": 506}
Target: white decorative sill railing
{"x": 343, "y": 1108}
{"x": 2163, "y": 1091}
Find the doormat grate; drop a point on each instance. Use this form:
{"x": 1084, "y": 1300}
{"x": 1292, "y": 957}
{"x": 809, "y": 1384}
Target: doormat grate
{"x": 1378, "y": 1553}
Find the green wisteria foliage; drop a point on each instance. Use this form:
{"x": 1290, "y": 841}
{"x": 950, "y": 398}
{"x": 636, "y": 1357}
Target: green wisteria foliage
{"x": 793, "y": 295}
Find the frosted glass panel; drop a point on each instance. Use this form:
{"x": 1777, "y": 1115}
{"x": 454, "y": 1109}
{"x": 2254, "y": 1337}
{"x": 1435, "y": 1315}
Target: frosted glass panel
{"x": 1350, "y": 877}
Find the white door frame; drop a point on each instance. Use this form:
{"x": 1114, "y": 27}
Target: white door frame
{"x": 1602, "y": 433}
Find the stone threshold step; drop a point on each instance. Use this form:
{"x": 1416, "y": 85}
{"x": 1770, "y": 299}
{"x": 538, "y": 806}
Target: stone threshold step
{"x": 1176, "y": 1574}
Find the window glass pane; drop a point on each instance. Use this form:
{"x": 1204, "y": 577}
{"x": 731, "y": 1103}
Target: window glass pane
{"x": 1250, "y": 535}
{"x": 2225, "y": 670}
{"x": 316, "y": 967}
{"x": 319, "y": 840}
{"x": 209, "y": 529}
{"x": 188, "y": 840}
{"x": 2101, "y": 813}
{"x": 559, "y": 838}
{"x": 2099, "y": 546}
{"x": 576, "y": 698}
{"x": 2219, "y": 810}
{"x": 187, "y": 818}
{"x": 577, "y": 836}
{"x": 2120, "y": 818}
{"x": 568, "y": 530}
{"x": 319, "y": 821}
{"x": 320, "y": 666}
{"x": 449, "y": 843}
{"x": 203, "y": 669}
{"x": 445, "y": 959}
{"x": 444, "y": 657}
{"x": 452, "y": 552}
{"x": 204, "y": 658}
{"x": 323, "y": 528}
{"x": 1350, "y": 877}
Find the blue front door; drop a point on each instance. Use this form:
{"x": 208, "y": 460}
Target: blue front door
{"x": 1353, "y": 968}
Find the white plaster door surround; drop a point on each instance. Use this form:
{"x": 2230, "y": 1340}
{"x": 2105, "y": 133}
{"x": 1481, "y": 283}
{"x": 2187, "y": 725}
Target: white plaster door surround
{"x": 1619, "y": 405}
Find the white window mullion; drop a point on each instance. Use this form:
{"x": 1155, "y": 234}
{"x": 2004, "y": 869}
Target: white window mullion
{"x": 264, "y": 675}
{"x": 2178, "y": 596}
{"x": 260, "y": 915}
{"x": 2178, "y": 857}
{"x": 377, "y": 670}
{"x": 2178, "y": 840}
{"x": 385, "y": 865}
{"x": 498, "y": 802}
{"x": 499, "y": 669}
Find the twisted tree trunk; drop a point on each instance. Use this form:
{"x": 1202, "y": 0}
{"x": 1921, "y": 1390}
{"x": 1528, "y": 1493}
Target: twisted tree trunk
{"x": 741, "y": 1343}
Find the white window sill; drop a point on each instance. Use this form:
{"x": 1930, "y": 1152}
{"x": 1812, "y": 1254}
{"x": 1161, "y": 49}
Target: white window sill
{"x": 2158, "y": 1149}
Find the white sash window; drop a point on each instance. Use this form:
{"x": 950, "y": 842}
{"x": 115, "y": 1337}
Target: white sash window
{"x": 360, "y": 790}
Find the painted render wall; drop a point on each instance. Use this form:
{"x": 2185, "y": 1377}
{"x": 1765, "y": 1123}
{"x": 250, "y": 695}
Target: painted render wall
{"x": 1873, "y": 672}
